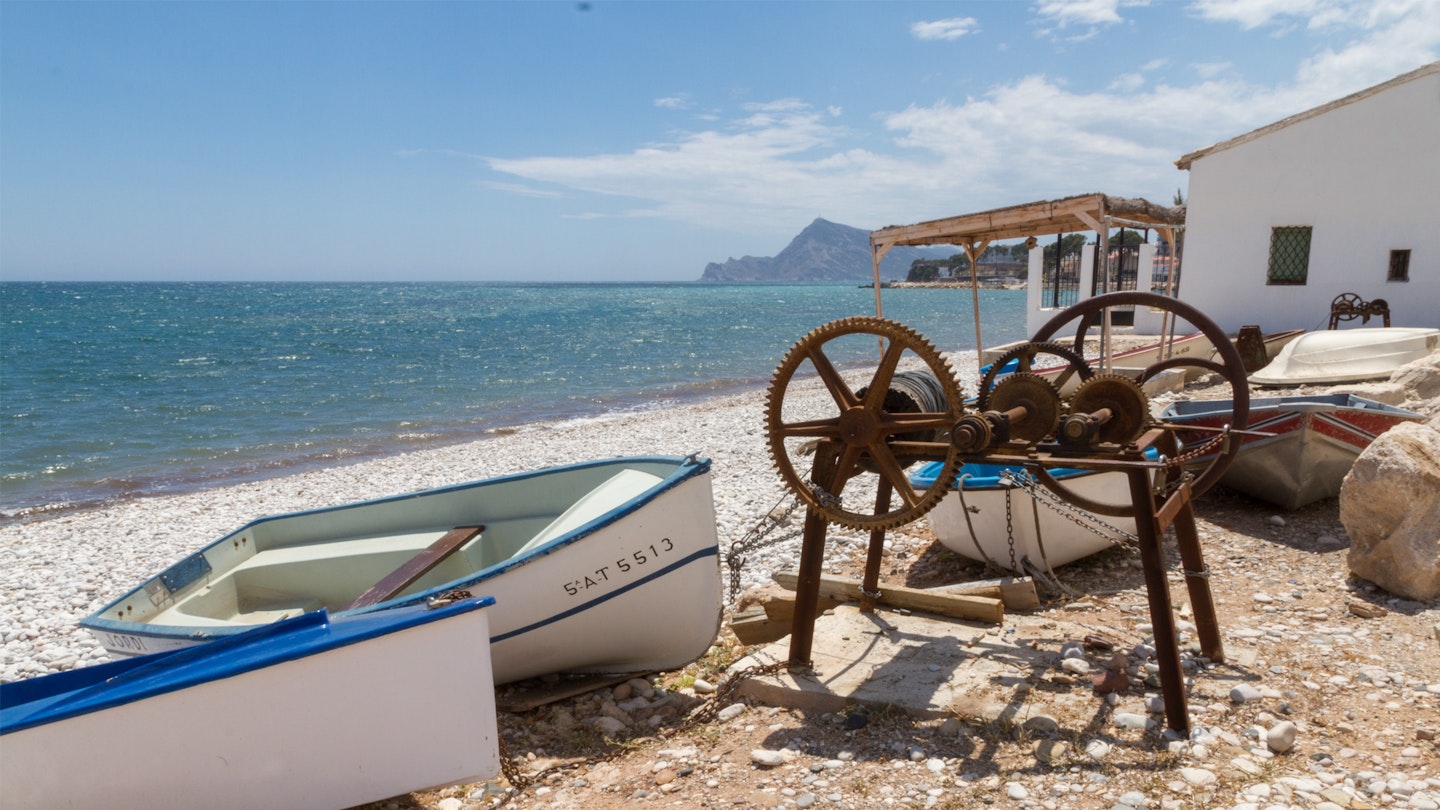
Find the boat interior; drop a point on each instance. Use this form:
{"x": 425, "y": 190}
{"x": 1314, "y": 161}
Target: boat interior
{"x": 280, "y": 567}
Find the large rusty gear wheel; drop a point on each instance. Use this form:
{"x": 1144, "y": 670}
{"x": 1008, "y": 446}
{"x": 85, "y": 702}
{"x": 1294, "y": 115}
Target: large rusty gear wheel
{"x": 1025, "y": 355}
{"x": 1229, "y": 366}
{"x": 1034, "y": 393}
{"x": 1122, "y": 397}
{"x": 861, "y": 432}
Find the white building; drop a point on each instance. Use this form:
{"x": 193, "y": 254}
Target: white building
{"x": 1343, "y": 198}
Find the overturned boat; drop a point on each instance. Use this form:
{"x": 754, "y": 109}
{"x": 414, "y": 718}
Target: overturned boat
{"x": 1313, "y": 441}
{"x": 312, "y": 711}
{"x": 606, "y": 566}
{"x": 1347, "y": 355}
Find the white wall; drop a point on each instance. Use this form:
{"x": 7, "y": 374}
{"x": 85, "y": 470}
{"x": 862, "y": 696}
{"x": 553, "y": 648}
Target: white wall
{"x": 1364, "y": 176}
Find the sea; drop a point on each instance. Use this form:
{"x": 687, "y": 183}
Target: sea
{"x": 119, "y": 390}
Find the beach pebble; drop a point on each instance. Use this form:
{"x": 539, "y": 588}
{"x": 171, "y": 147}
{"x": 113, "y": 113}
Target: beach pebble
{"x": 609, "y": 726}
{"x": 1281, "y": 738}
{"x": 767, "y": 758}
{"x": 1199, "y": 777}
{"x": 1245, "y": 693}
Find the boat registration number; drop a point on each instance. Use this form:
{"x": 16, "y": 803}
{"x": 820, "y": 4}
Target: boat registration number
{"x": 624, "y": 565}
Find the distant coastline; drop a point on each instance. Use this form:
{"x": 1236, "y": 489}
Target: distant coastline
{"x": 944, "y": 285}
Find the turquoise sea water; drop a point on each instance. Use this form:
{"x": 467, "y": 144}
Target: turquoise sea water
{"x": 113, "y": 390}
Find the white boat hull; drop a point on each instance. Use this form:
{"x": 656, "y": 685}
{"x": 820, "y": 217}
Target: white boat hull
{"x": 1347, "y": 355}
{"x": 1041, "y": 534}
{"x": 405, "y": 711}
{"x": 631, "y": 586}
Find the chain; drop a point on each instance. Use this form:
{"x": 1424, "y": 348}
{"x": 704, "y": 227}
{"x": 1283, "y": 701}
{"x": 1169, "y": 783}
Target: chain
{"x": 724, "y": 692}
{"x": 1075, "y": 514}
{"x": 757, "y": 538}
{"x": 1010, "y": 532}
{"x": 519, "y": 780}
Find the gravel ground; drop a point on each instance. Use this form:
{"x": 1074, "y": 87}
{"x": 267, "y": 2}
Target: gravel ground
{"x": 1331, "y": 697}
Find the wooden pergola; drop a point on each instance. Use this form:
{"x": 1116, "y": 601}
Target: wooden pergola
{"x": 974, "y": 232}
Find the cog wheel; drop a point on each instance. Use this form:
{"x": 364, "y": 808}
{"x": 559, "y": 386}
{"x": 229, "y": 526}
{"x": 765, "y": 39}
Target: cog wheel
{"x": 1037, "y": 396}
{"x": 1227, "y": 364}
{"x": 862, "y": 432}
{"x": 1121, "y": 397}
{"x": 1025, "y": 354}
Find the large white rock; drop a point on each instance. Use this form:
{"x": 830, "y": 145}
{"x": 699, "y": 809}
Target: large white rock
{"x": 1420, "y": 378}
{"x": 1390, "y": 505}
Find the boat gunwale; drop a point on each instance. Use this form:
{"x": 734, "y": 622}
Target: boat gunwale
{"x": 685, "y": 468}
{"x": 87, "y": 690}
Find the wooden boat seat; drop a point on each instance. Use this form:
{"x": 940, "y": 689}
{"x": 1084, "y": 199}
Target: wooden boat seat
{"x": 416, "y": 566}
{"x": 614, "y": 492}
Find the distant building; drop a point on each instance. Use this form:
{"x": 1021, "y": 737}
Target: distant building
{"x": 1343, "y": 198}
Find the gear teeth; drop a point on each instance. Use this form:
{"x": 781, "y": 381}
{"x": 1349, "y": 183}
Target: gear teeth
{"x": 1039, "y": 395}
{"x": 909, "y": 340}
{"x": 1030, "y": 350}
{"x": 1130, "y": 408}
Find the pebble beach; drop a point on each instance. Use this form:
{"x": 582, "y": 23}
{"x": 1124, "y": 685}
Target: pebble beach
{"x": 1330, "y": 709}
{"x": 55, "y": 570}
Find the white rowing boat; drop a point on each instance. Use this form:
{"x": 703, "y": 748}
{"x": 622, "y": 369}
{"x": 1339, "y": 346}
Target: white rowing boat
{"x": 993, "y": 515}
{"x": 1347, "y": 355}
{"x": 606, "y": 566}
{"x": 312, "y": 711}
{"x": 1313, "y": 441}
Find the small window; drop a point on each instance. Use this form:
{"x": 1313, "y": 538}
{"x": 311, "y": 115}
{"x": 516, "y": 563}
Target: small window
{"x": 1399, "y": 266}
{"x": 1289, "y": 255}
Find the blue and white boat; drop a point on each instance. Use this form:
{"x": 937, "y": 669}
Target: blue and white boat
{"x": 993, "y": 515}
{"x": 312, "y": 711}
{"x": 606, "y": 566}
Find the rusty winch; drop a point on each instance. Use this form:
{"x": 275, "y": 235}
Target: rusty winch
{"x": 845, "y": 457}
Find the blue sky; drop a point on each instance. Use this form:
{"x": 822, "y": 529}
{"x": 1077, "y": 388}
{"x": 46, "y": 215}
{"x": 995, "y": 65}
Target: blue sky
{"x": 614, "y": 140}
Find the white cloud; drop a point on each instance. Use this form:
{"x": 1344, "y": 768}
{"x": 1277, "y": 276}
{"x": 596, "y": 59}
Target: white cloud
{"x": 521, "y": 189}
{"x": 769, "y": 168}
{"x": 1255, "y": 13}
{"x": 1209, "y": 70}
{"x": 947, "y": 29}
{"x": 1317, "y": 15}
{"x": 679, "y": 101}
{"x": 1084, "y": 12}
{"x": 1127, "y": 83}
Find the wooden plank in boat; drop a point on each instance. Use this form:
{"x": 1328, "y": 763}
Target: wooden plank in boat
{"x": 416, "y": 567}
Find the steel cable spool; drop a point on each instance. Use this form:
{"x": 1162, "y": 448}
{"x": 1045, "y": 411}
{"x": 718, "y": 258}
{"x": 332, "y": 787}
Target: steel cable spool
{"x": 917, "y": 391}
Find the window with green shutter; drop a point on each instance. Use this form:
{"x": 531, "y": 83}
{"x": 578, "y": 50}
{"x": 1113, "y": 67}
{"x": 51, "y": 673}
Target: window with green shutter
{"x": 1289, "y": 255}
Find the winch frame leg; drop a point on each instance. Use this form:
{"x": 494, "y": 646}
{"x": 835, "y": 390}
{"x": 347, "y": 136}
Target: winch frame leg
{"x": 812, "y": 559}
{"x": 1162, "y": 614}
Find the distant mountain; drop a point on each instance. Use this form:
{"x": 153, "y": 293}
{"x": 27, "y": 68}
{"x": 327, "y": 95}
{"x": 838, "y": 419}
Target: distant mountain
{"x": 824, "y": 251}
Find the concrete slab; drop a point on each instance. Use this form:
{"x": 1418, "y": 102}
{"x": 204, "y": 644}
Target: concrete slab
{"x": 932, "y": 667}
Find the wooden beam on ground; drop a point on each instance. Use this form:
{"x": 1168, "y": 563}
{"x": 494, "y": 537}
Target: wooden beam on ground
{"x": 1018, "y": 593}
{"x": 754, "y": 627}
{"x": 959, "y": 606}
